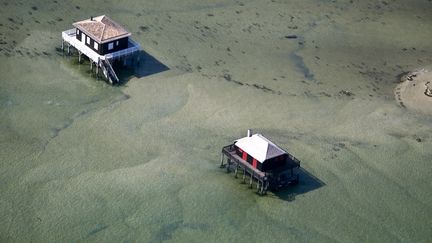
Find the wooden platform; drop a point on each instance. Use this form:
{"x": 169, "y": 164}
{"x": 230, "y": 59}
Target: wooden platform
{"x": 104, "y": 62}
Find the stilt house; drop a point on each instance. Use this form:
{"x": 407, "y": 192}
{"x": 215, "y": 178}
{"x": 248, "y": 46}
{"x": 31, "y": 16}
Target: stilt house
{"x": 265, "y": 162}
{"x": 103, "y": 41}
{"x": 102, "y": 34}
{"x": 260, "y": 152}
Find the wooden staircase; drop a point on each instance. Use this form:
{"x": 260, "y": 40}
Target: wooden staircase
{"x": 108, "y": 71}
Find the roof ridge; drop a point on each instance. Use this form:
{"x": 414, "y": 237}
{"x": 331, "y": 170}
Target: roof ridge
{"x": 103, "y": 31}
{"x": 267, "y": 151}
{"x": 270, "y": 142}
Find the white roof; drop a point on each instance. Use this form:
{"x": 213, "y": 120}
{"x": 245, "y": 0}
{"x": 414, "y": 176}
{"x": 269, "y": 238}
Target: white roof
{"x": 259, "y": 147}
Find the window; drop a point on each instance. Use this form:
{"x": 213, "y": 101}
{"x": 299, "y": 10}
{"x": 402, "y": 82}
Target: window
{"x": 110, "y": 46}
{"x": 117, "y": 43}
{"x": 88, "y": 40}
{"x": 96, "y": 45}
{"x": 77, "y": 31}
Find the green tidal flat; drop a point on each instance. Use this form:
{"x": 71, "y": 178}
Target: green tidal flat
{"x": 83, "y": 161}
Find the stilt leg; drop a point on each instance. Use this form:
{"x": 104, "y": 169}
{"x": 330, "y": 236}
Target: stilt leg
{"x": 244, "y": 175}
{"x": 97, "y": 69}
{"x": 258, "y": 186}
{"x": 62, "y": 44}
{"x": 228, "y": 165}
{"x": 266, "y": 184}
{"x": 251, "y": 181}
{"x": 91, "y": 65}
{"x": 236, "y": 170}
{"x": 69, "y": 49}
{"x": 261, "y": 192}
{"x": 222, "y": 160}
{"x": 79, "y": 57}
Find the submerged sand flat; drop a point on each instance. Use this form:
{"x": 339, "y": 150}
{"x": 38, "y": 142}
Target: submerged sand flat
{"x": 83, "y": 161}
{"x": 415, "y": 89}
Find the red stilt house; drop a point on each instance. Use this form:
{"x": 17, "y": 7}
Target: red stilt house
{"x": 265, "y": 162}
{"x": 260, "y": 152}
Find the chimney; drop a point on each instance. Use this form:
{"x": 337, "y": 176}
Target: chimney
{"x": 249, "y": 133}
{"x": 91, "y": 18}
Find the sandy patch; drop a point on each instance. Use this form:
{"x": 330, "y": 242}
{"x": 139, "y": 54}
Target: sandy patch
{"x": 415, "y": 91}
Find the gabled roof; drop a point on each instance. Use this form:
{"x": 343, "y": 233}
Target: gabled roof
{"x": 102, "y": 29}
{"x": 259, "y": 147}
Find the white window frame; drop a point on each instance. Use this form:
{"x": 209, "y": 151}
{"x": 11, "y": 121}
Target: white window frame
{"x": 117, "y": 43}
{"x": 110, "y": 46}
{"x": 77, "y": 31}
{"x": 96, "y": 46}
{"x": 88, "y": 40}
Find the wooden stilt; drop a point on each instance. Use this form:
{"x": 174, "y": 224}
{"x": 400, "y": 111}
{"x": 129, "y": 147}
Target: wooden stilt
{"x": 244, "y": 175}
{"x": 91, "y": 65}
{"x": 222, "y": 160}
{"x": 236, "y": 170}
{"x": 251, "y": 181}
{"x": 265, "y": 187}
{"x": 257, "y": 186}
{"x": 62, "y": 44}
{"x": 228, "y": 165}
{"x": 79, "y": 57}
{"x": 69, "y": 49}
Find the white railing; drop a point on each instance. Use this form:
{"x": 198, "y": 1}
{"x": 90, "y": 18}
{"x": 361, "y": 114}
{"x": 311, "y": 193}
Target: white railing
{"x": 70, "y": 37}
{"x": 70, "y": 32}
{"x": 133, "y": 48}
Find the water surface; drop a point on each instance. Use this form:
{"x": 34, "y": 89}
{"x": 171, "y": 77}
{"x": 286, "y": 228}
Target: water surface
{"x": 85, "y": 161}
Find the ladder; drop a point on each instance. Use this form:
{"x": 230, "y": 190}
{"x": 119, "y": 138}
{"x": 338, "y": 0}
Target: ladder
{"x": 108, "y": 71}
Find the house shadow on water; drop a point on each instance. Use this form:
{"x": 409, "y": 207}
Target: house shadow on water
{"x": 143, "y": 65}
{"x": 307, "y": 182}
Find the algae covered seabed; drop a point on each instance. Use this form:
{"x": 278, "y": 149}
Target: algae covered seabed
{"x": 83, "y": 161}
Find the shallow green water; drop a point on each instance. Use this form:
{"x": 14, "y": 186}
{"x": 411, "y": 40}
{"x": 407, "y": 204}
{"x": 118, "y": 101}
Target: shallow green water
{"x": 84, "y": 161}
